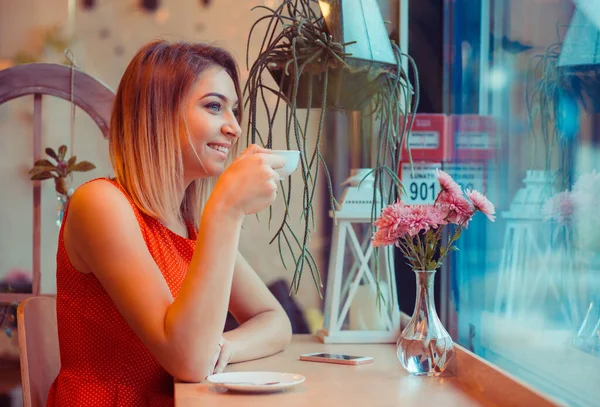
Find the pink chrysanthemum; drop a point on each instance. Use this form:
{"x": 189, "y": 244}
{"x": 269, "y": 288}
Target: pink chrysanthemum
{"x": 388, "y": 224}
{"x": 417, "y": 218}
{"x": 459, "y": 210}
{"x": 447, "y": 184}
{"x": 399, "y": 220}
{"x": 561, "y": 207}
{"x": 482, "y": 204}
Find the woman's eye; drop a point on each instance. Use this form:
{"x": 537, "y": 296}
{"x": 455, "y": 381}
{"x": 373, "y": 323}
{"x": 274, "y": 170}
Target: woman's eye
{"x": 215, "y": 107}
{"x": 236, "y": 112}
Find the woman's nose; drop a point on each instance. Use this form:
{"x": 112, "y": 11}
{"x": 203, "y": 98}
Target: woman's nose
{"x": 232, "y": 128}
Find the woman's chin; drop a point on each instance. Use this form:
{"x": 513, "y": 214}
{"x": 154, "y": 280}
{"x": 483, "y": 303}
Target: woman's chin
{"x": 214, "y": 170}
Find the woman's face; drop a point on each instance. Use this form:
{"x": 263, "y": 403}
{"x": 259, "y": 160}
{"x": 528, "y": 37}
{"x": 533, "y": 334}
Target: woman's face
{"x": 211, "y": 111}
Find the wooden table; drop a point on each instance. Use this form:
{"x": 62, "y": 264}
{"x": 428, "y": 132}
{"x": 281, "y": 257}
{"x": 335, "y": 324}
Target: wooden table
{"x": 381, "y": 383}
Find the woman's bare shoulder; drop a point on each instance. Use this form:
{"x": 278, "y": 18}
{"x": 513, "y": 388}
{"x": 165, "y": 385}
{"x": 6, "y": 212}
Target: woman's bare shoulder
{"x": 98, "y": 199}
{"x": 100, "y": 220}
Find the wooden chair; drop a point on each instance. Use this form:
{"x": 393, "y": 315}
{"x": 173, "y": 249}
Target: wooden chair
{"x": 38, "y": 347}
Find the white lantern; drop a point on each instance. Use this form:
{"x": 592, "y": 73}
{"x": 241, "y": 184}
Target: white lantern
{"x": 361, "y": 305}
{"x": 524, "y": 241}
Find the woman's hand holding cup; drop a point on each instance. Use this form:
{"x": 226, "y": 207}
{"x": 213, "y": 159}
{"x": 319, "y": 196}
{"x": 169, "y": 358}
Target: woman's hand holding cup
{"x": 249, "y": 184}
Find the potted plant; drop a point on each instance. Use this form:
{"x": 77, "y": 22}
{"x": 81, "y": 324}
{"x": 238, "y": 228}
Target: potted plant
{"x": 559, "y": 82}
{"x": 307, "y": 61}
{"x": 61, "y": 172}
{"x": 546, "y": 93}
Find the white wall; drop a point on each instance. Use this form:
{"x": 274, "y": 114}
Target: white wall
{"x": 112, "y": 26}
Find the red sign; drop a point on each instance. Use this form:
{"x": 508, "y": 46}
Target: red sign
{"x": 473, "y": 137}
{"x": 429, "y": 138}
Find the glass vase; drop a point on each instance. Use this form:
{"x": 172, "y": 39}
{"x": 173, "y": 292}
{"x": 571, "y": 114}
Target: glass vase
{"x": 424, "y": 347}
{"x": 588, "y": 334}
{"x": 61, "y": 201}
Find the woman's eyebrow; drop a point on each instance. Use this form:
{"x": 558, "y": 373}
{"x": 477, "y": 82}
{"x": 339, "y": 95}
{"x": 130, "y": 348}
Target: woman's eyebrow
{"x": 220, "y": 96}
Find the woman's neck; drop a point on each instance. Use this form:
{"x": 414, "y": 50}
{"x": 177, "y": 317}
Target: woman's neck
{"x": 177, "y": 226}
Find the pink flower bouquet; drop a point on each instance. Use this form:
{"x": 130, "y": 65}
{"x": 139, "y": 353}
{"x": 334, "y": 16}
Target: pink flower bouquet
{"x": 576, "y": 214}
{"x": 417, "y": 229}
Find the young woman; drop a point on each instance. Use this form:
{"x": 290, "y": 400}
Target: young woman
{"x": 148, "y": 263}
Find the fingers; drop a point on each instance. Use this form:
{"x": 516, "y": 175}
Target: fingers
{"x": 215, "y": 360}
{"x": 220, "y": 367}
{"x": 254, "y": 149}
{"x": 274, "y": 161}
{"x": 224, "y": 358}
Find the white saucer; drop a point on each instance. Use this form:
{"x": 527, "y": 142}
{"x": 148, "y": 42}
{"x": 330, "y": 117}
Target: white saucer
{"x": 256, "y": 382}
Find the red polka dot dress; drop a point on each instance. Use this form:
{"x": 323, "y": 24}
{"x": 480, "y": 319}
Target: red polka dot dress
{"x": 103, "y": 362}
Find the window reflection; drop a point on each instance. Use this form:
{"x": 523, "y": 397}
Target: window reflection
{"x": 526, "y": 290}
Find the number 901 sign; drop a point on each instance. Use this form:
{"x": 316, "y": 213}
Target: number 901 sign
{"x": 422, "y": 191}
{"x": 420, "y": 185}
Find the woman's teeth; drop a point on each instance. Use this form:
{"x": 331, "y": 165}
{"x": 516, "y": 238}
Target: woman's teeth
{"x": 219, "y": 148}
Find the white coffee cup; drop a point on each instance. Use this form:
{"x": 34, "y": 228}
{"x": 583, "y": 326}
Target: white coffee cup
{"x": 291, "y": 162}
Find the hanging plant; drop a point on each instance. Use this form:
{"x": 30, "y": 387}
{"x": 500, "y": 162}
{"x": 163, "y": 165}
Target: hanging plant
{"x": 559, "y": 83}
{"x": 314, "y": 67}
{"x": 545, "y": 88}
{"x": 61, "y": 171}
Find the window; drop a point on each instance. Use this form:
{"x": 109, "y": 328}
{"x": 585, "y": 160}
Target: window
{"x": 522, "y": 86}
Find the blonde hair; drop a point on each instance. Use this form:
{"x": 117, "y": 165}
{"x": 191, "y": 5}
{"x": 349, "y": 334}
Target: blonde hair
{"x": 148, "y": 118}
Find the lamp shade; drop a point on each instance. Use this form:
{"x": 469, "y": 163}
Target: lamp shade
{"x": 360, "y": 21}
{"x": 581, "y": 46}
{"x": 579, "y": 61}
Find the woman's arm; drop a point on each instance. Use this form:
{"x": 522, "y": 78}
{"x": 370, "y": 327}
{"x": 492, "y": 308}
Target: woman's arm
{"x": 264, "y": 328}
{"x": 183, "y": 334}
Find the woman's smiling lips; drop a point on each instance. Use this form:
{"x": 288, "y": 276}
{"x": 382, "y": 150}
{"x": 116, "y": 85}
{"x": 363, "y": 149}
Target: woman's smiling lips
{"x": 221, "y": 148}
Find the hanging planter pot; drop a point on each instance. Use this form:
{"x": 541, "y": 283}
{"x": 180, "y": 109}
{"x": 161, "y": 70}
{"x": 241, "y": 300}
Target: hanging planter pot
{"x": 349, "y": 88}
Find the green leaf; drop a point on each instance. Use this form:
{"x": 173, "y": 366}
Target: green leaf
{"x": 43, "y": 162}
{"x": 62, "y": 151}
{"x": 42, "y": 176}
{"x": 42, "y": 168}
{"x": 51, "y": 153}
{"x": 83, "y": 166}
{"x": 71, "y": 163}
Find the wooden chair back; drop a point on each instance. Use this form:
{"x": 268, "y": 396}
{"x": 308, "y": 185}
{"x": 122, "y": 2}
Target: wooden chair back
{"x": 38, "y": 348}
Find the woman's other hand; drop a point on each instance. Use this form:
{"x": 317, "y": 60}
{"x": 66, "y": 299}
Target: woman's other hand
{"x": 224, "y": 356}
